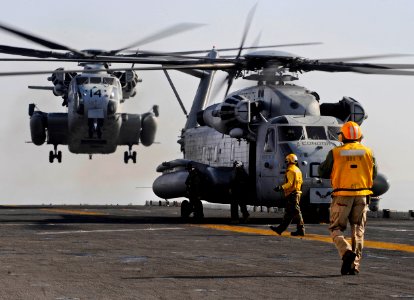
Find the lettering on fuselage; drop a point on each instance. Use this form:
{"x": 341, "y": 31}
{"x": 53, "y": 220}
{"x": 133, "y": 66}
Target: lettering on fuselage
{"x": 313, "y": 143}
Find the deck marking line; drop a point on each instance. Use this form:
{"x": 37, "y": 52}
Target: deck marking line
{"x": 106, "y": 230}
{"x": 74, "y": 212}
{"x": 310, "y": 237}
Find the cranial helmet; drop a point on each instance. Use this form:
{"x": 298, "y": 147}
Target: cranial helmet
{"x": 351, "y": 131}
{"x": 291, "y": 159}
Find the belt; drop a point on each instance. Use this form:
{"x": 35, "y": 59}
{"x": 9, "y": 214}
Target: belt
{"x": 351, "y": 190}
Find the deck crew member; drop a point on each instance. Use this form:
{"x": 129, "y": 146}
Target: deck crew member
{"x": 352, "y": 169}
{"x": 292, "y": 192}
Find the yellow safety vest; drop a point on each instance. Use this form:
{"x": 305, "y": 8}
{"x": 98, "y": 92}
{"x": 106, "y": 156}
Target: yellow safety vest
{"x": 293, "y": 180}
{"x": 352, "y": 170}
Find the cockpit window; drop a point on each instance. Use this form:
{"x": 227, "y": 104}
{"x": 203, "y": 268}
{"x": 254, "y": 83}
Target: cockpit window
{"x": 269, "y": 145}
{"x": 333, "y": 132}
{"x": 82, "y": 80}
{"x": 107, "y": 80}
{"x": 290, "y": 133}
{"x": 316, "y": 132}
{"x": 95, "y": 80}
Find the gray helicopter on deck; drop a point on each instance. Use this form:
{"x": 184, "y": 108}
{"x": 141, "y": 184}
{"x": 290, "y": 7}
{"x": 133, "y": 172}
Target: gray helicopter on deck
{"x": 94, "y": 95}
{"x": 259, "y": 126}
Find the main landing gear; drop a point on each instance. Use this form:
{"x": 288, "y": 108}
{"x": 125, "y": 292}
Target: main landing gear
{"x": 55, "y": 154}
{"x": 130, "y": 155}
{"x": 192, "y": 206}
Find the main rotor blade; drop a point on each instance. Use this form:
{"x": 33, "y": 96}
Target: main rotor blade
{"x": 246, "y": 29}
{"x": 355, "y": 58}
{"x": 38, "y": 40}
{"x": 205, "y": 66}
{"x": 155, "y": 53}
{"x": 397, "y": 66}
{"x": 27, "y": 52}
{"x": 115, "y": 59}
{"x": 218, "y": 87}
{"x": 167, "y": 32}
{"x": 384, "y": 69}
{"x": 233, "y": 73}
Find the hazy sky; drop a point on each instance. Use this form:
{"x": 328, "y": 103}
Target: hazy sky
{"x": 347, "y": 28}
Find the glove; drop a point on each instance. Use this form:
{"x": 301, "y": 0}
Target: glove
{"x": 278, "y": 188}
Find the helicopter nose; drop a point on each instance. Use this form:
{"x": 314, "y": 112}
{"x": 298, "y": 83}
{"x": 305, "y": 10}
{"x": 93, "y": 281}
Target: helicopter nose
{"x": 95, "y": 107}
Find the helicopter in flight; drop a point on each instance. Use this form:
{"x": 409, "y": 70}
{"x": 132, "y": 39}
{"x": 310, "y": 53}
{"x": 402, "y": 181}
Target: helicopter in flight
{"x": 95, "y": 122}
{"x": 258, "y": 126}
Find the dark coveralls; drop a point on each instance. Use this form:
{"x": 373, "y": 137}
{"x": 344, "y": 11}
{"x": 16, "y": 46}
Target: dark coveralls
{"x": 239, "y": 192}
{"x": 194, "y": 183}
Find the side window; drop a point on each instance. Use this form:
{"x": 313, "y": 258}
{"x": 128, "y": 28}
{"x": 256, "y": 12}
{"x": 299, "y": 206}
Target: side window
{"x": 72, "y": 91}
{"x": 269, "y": 145}
{"x": 215, "y": 155}
{"x": 232, "y": 151}
{"x": 203, "y": 155}
{"x": 333, "y": 132}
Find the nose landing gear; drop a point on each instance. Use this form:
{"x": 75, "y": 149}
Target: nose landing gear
{"x": 55, "y": 154}
{"x": 130, "y": 155}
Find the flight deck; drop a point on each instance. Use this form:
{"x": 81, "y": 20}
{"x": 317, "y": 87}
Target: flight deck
{"x": 148, "y": 252}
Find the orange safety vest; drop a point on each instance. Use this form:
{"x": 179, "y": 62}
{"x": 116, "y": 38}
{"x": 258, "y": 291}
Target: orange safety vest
{"x": 352, "y": 170}
{"x": 293, "y": 180}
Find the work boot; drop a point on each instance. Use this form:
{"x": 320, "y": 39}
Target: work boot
{"x": 277, "y": 229}
{"x": 353, "y": 271}
{"x": 234, "y": 221}
{"x": 245, "y": 217}
{"x": 299, "y": 232}
{"x": 347, "y": 261}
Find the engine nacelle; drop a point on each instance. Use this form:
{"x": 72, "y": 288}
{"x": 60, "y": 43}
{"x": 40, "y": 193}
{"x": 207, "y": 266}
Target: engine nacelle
{"x": 59, "y": 90}
{"x": 61, "y": 82}
{"x": 129, "y": 80}
{"x": 149, "y": 128}
{"x": 38, "y": 124}
{"x": 347, "y": 109}
{"x": 231, "y": 116}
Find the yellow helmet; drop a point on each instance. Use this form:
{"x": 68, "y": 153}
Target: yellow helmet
{"x": 291, "y": 159}
{"x": 351, "y": 131}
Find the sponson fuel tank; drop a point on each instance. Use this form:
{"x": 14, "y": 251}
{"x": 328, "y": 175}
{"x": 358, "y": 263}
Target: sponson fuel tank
{"x": 171, "y": 184}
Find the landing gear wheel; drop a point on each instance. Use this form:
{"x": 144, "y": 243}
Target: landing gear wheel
{"x": 126, "y": 157}
{"x": 186, "y": 209}
{"x": 234, "y": 212}
{"x": 55, "y": 154}
{"x": 130, "y": 155}
{"x": 198, "y": 210}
